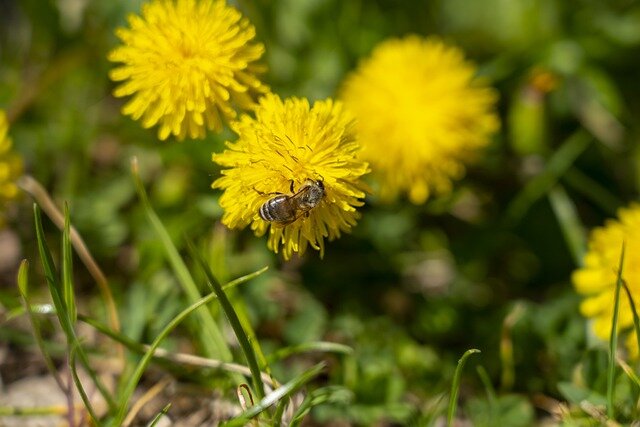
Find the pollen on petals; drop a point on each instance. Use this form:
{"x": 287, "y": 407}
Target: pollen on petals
{"x": 290, "y": 143}
{"x": 187, "y": 65}
{"x": 422, "y": 116}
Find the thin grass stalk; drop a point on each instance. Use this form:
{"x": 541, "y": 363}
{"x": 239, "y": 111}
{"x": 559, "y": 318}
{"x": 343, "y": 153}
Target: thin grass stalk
{"x": 158, "y": 416}
{"x": 178, "y": 358}
{"x": 320, "y": 396}
{"x": 67, "y": 268}
{"x": 61, "y": 310}
{"x": 229, "y": 311}
{"x": 23, "y": 280}
{"x": 83, "y": 395}
{"x": 11, "y": 411}
{"x": 275, "y": 396}
{"x": 557, "y": 166}
{"x": 40, "y": 195}
{"x": 134, "y": 378}
{"x": 148, "y": 355}
{"x": 594, "y": 190}
{"x": 455, "y": 385}
{"x": 217, "y": 249}
{"x": 569, "y": 221}
{"x": 211, "y": 339}
{"x": 636, "y": 319}
{"x": 613, "y": 341}
{"x": 316, "y": 346}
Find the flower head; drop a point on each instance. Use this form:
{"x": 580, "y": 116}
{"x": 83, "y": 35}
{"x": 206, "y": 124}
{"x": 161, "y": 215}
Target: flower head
{"x": 187, "y": 64}
{"x": 422, "y": 115}
{"x": 598, "y": 277}
{"x": 289, "y": 149}
{"x": 10, "y": 166}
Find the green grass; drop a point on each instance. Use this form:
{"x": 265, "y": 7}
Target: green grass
{"x": 127, "y": 264}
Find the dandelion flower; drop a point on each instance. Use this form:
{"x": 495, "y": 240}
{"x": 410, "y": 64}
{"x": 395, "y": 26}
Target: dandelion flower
{"x": 596, "y": 280}
{"x": 10, "y": 167}
{"x": 291, "y": 143}
{"x": 186, "y": 64}
{"x": 422, "y": 115}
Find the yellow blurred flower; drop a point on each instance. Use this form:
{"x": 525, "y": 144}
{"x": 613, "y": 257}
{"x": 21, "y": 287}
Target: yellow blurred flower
{"x": 10, "y": 167}
{"x": 422, "y": 115}
{"x": 597, "y": 278}
{"x": 187, "y": 64}
{"x": 291, "y": 143}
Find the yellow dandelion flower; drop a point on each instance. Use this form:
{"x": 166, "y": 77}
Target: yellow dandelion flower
{"x": 597, "y": 278}
{"x": 187, "y": 64}
{"x": 301, "y": 161}
{"x": 422, "y": 115}
{"x": 10, "y": 166}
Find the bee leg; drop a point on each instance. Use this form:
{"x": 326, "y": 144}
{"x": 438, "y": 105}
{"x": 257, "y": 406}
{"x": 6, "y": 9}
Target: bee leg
{"x": 262, "y": 193}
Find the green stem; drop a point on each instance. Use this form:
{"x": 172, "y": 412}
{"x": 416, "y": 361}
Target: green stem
{"x": 211, "y": 338}
{"x": 455, "y": 386}
{"x": 613, "y": 341}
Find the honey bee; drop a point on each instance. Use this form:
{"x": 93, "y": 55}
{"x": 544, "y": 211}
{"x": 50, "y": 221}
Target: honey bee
{"x": 284, "y": 209}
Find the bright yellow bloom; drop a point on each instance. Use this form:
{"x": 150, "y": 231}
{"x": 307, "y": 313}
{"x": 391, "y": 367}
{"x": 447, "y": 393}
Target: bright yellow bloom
{"x": 10, "y": 166}
{"x": 422, "y": 115}
{"x": 187, "y": 65}
{"x": 597, "y": 278}
{"x": 290, "y": 142}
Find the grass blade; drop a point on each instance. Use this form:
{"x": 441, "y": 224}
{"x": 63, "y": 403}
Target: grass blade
{"x": 80, "y": 388}
{"x": 331, "y": 394}
{"x": 558, "y": 164}
{"x": 317, "y": 346}
{"x": 211, "y": 339}
{"x": 229, "y": 311}
{"x": 23, "y": 279}
{"x": 629, "y": 371}
{"x": 455, "y": 386}
{"x": 158, "y": 416}
{"x": 275, "y": 396}
{"x": 148, "y": 355}
{"x": 50, "y": 272}
{"x": 595, "y": 191}
{"x": 636, "y": 319}
{"x": 569, "y": 221}
{"x": 613, "y": 341}
{"x": 134, "y": 378}
{"x": 67, "y": 268}
{"x": 61, "y": 309}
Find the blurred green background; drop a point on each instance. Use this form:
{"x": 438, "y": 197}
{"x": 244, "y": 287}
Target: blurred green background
{"x": 412, "y": 287}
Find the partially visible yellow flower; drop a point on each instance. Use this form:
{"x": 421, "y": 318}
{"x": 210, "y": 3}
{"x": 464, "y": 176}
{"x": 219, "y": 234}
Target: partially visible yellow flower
{"x": 422, "y": 115}
{"x": 10, "y": 167}
{"x": 187, "y": 65}
{"x": 597, "y": 278}
{"x": 291, "y": 142}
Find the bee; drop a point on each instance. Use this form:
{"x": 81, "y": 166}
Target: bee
{"x": 284, "y": 209}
